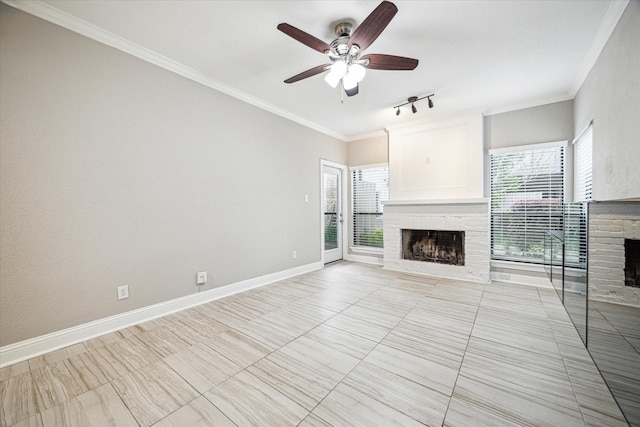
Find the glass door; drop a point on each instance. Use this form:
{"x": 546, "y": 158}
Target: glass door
{"x": 332, "y": 213}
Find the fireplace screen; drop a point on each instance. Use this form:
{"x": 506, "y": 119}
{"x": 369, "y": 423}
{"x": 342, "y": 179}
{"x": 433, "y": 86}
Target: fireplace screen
{"x": 445, "y": 247}
{"x": 632, "y": 262}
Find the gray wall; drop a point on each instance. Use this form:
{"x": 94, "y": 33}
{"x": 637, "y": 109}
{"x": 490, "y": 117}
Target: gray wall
{"x": 115, "y": 171}
{"x": 368, "y": 151}
{"x": 545, "y": 123}
{"x": 610, "y": 96}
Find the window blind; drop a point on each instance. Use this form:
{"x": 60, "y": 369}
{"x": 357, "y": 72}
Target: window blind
{"x": 575, "y": 234}
{"x": 369, "y": 188}
{"x": 527, "y": 193}
{"x": 582, "y": 162}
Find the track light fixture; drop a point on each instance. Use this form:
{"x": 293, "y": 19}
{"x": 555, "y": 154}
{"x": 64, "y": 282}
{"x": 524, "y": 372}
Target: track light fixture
{"x": 412, "y": 100}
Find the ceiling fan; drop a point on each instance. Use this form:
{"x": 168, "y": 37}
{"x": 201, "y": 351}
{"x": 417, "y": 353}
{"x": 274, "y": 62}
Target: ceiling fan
{"x": 347, "y": 65}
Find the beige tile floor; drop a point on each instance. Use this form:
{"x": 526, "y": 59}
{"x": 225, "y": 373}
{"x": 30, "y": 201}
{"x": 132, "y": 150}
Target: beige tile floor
{"x": 351, "y": 344}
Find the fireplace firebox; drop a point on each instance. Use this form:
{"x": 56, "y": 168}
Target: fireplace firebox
{"x": 632, "y": 263}
{"x": 440, "y": 246}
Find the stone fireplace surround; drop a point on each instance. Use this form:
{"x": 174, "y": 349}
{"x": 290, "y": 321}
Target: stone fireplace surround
{"x": 610, "y": 223}
{"x": 468, "y": 215}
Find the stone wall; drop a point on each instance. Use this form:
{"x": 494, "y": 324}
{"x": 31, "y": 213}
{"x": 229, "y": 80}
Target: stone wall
{"x": 609, "y": 224}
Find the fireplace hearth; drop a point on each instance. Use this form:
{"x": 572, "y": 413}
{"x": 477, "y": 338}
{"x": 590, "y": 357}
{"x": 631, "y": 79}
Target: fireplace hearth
{"x": 440, "y": 246}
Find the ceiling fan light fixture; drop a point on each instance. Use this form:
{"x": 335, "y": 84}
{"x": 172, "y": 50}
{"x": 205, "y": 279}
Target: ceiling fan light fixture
{"x": 349, "y": 81}
{"x": 337, "y": 72}
{"x": 397, "y": 111}
{"x": 357, "y": 72}
{"x": 414, "y": 109}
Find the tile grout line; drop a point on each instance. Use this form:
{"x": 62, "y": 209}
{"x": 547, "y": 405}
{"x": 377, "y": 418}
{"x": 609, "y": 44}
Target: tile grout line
{"x": 364, "y": 357}
{"x": 271, "y": 352}
{"x": 455, "y": 383}
{"x": 347, "y": 374}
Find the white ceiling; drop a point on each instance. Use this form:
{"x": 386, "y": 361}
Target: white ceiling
{"x": 490, "y": 56}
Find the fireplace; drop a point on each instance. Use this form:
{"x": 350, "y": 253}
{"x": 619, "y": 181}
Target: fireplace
{"x": 440, "y": 246}
{"x": 468, "y": 216}
{"x": 632, "y": 263}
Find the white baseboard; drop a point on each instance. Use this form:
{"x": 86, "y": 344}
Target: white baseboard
{"x": 521, "y": 279}
{"x": 23, "y": 350}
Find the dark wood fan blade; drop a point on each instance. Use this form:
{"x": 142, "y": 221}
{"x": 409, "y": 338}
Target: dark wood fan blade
{"x": 352, "y": 92}
{"x": 304, "y": 38}
{"x": 390, "y": 62}
{"x": 310, "y": 72}
{"x": 373, "y": 25}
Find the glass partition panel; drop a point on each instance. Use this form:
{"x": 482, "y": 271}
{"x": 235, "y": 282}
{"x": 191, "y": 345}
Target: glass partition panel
{"x": 553, "y": 256}
{"x": 575, "y": 265}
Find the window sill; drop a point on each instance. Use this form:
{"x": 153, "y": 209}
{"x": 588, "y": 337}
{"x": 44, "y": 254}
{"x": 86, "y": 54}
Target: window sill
{"x": 536, "y": 268}
{"x": 365, "y": 250}
{"x": 522, "y": 266}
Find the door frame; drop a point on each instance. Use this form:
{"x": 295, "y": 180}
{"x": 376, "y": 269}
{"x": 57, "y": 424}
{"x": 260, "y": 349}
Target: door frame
{"x": 343, "y": 206}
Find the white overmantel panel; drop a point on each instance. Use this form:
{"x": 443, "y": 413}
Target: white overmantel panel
{"x": 437, "y": 159}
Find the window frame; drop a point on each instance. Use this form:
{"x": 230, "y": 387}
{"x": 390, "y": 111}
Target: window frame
{"x": 352, "y": 213}
{"x": 562, "y": 145}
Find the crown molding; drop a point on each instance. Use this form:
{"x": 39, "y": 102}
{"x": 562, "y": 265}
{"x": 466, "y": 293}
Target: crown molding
{"x": 531, "y": 104}
{"x": 49, "y": 13}
{"x": 368, "y": 135}
{"x": 608, "y": 24}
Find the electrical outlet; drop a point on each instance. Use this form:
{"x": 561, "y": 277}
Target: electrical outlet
{"x": 505, "y": 276}
{"x": 123, "y": 292}
{"x": 295, "y": 254}
{"x": 201, "y": 277}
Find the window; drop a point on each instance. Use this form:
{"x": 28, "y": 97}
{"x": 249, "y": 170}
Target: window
{"x": 582, "y": 160}
{"x": 369, "y": 188}
{"x": 527, "y": 193}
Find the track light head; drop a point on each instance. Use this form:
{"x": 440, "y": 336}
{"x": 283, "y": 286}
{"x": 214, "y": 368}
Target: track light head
{"x": 412, "y": 100}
